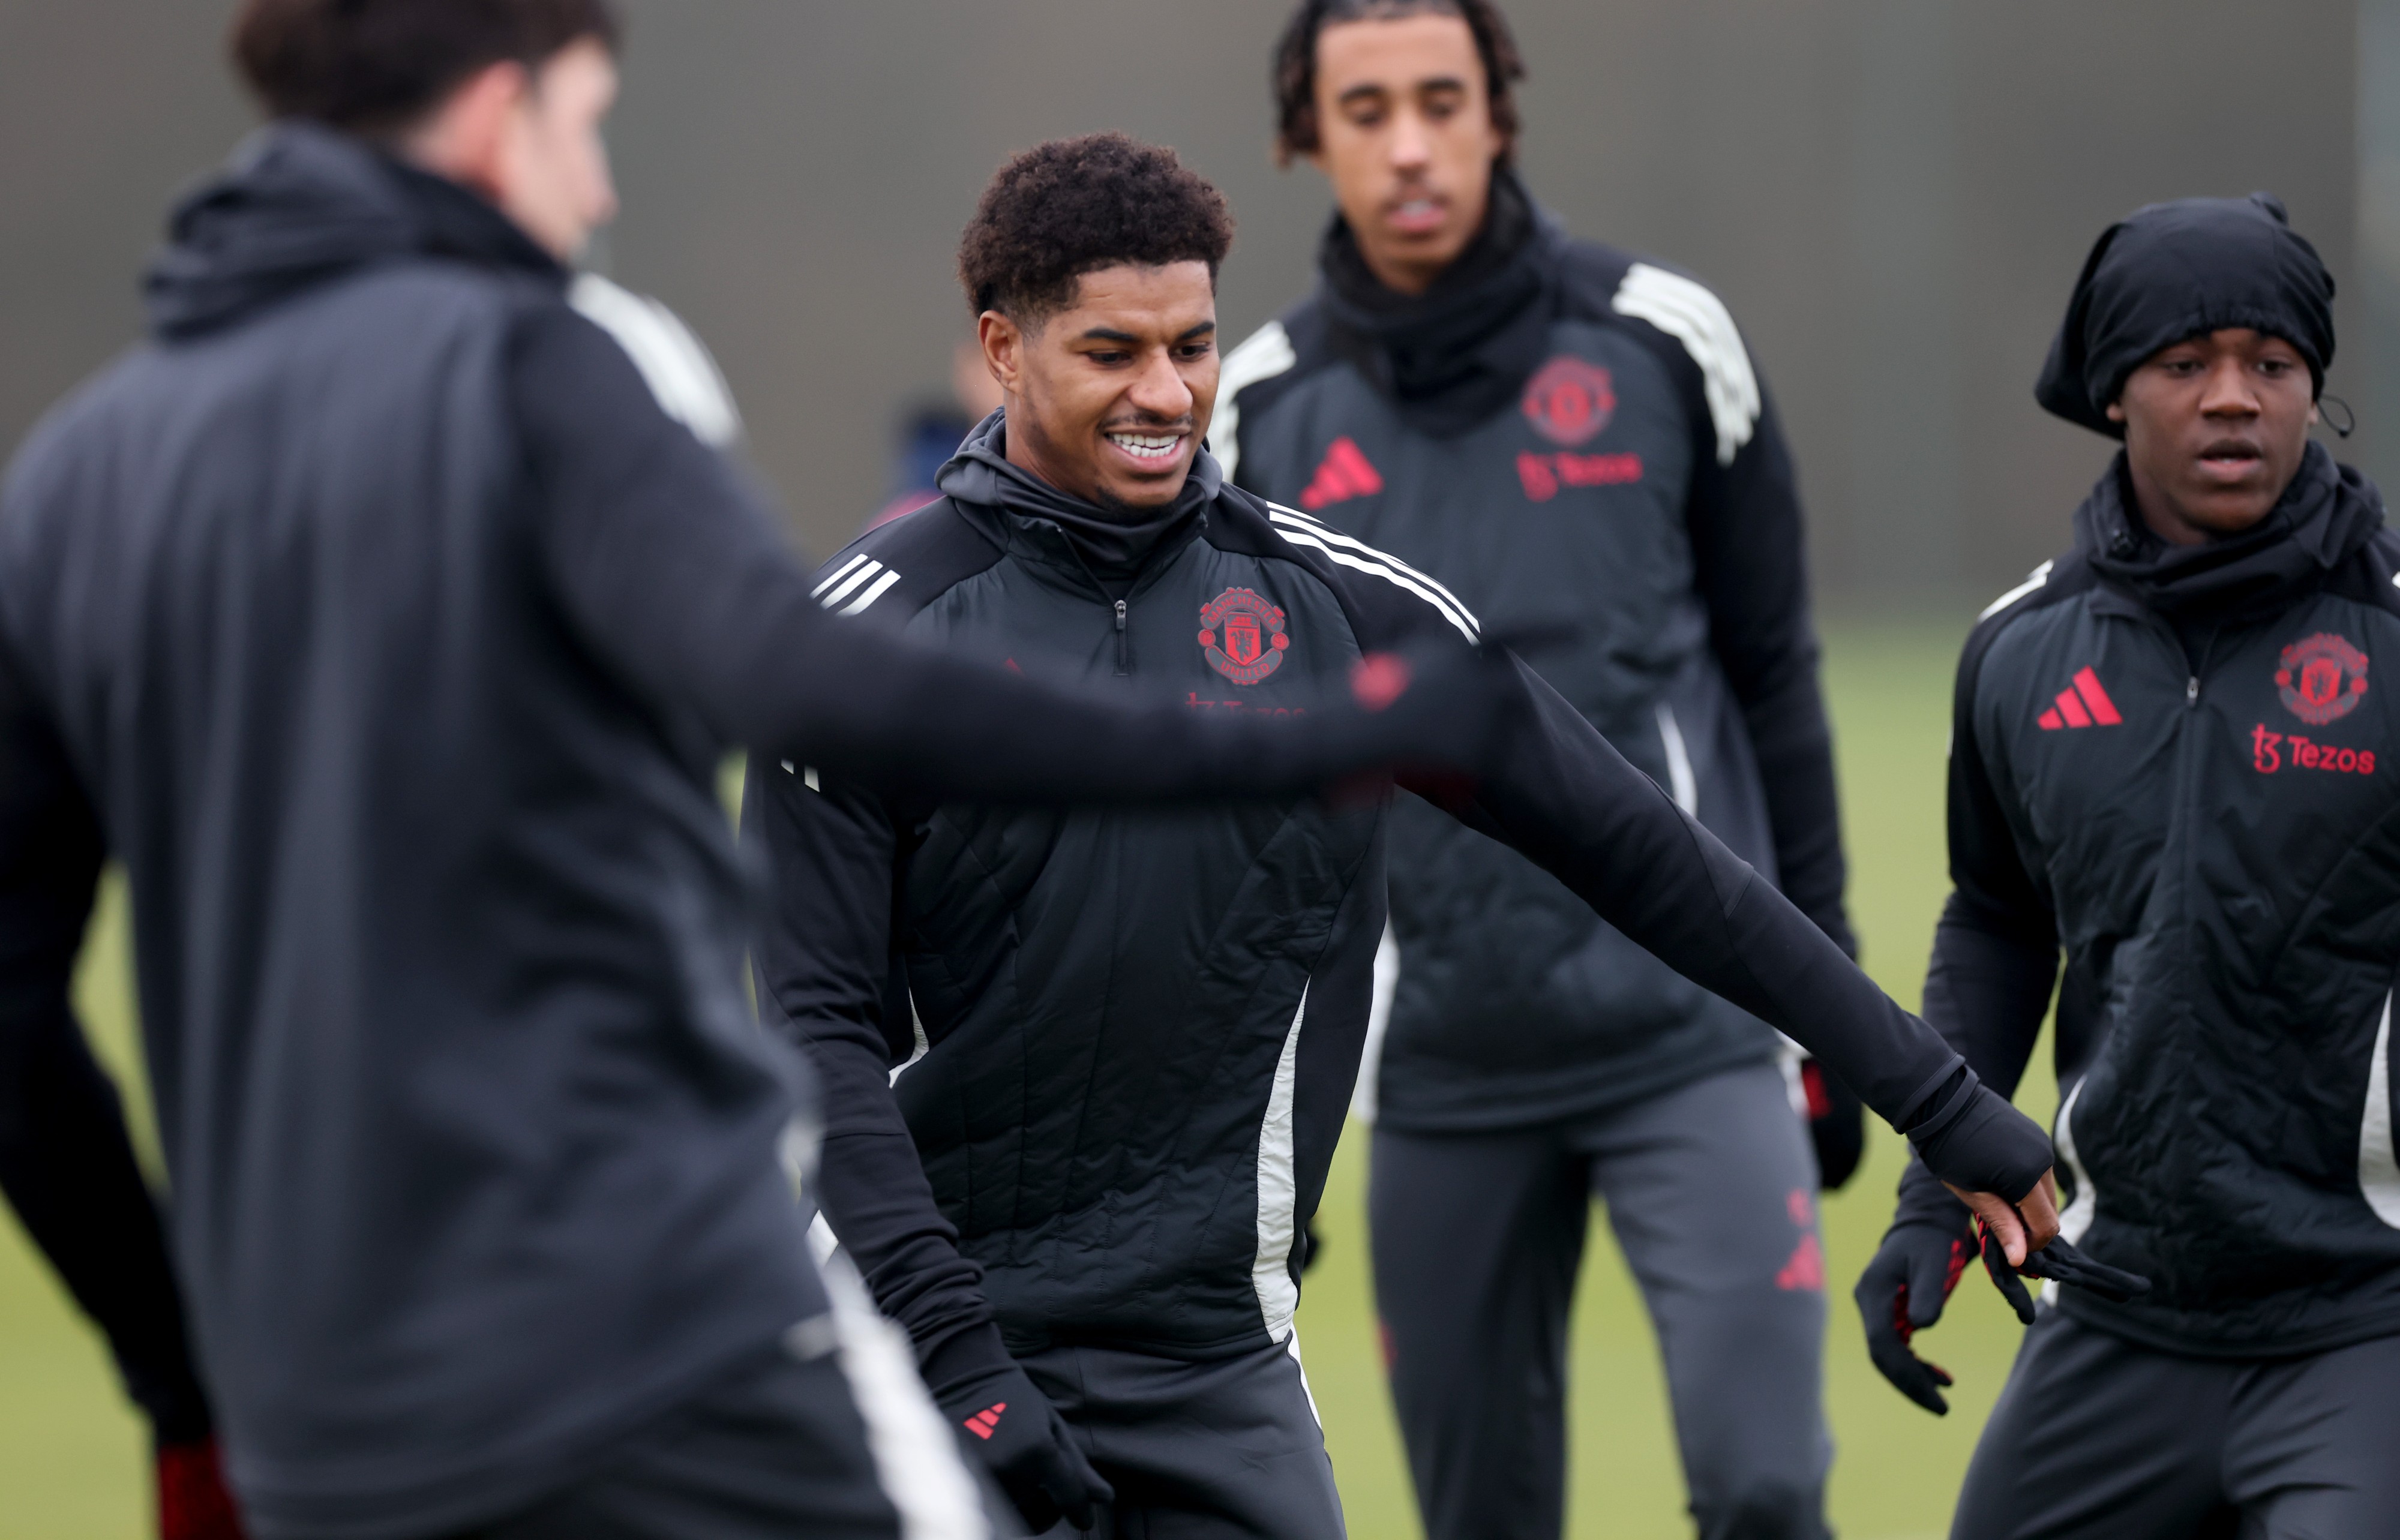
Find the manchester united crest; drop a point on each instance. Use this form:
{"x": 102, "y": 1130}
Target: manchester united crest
{"x": 1569, "y": 401}
{"x": 2323, "y": 678}
{"x": 1243, "y": 635}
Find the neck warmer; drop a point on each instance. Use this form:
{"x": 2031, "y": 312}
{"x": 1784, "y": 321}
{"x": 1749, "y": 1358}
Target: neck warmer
{"x": 2322, "y": 519}
{"x": 1452, "y": 356}
{"x": 1114, "y": 545}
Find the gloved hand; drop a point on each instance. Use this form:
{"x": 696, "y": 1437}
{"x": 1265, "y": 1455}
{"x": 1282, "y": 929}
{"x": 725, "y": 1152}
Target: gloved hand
{"x": 2059, "y": 1261}
{"x": 1902, "y": 1290}
{"x": 193, "y": 1502}
{"x": 1024, "y": 1442}
{"x": 1837, "y": 1125}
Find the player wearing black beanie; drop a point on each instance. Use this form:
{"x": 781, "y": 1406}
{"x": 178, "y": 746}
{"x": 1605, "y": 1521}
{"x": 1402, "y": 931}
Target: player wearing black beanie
{"x": 2173, "y": 762}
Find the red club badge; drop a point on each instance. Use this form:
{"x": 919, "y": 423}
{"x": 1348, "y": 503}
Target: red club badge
{"x": 2321, "y": 678}
{"x": 1243, "y": 635}
{"x": 1569, "y": 401}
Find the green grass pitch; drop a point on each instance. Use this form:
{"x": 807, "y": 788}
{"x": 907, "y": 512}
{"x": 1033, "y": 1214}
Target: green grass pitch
{"x": 72, "y": 1465}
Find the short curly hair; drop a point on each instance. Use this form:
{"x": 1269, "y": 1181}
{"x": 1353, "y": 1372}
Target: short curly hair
{"x": 1295, "y": 64}
{"x": 1073, "y": 206}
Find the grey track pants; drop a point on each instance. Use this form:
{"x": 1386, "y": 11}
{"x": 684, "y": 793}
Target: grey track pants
{"x": 2097, "y": 1438}
{"x": 1228, "y": 1449}
{"x": 1478, "y": 1238}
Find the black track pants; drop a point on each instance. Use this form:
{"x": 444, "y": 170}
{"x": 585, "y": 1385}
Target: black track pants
{"x": 1225, "y": 1450}
{"x": 1710, "y": 1188}
{"x": 2100, "y": 1439}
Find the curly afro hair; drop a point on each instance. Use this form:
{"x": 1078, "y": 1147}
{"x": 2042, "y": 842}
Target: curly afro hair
{"x": 1295, "y": 64}
{"x": 1072, "y": 205}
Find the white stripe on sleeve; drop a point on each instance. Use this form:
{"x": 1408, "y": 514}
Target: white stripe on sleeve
{"x": 1264, "y": 354}
{"x": 1696, "y": 318}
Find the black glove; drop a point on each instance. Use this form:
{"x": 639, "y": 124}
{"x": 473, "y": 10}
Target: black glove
{"x": 2059, "y": 1261}
{"x": 1837, "y": 1125}
{"x": 1902, "y": 1290}
{"x": 1020, "y": 1437}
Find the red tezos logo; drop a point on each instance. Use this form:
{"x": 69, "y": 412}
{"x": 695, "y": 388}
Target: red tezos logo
{"x": 2322, "y": 679}
{"x": 1243, "y": 635}
{"x": 1568, "y": 400}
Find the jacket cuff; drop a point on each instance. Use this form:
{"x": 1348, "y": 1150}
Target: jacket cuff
{"x": 969, "y": 1353}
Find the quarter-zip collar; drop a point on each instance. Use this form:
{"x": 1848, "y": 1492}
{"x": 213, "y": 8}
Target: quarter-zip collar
{"x": 2323, "y": 519}
{"x": 1114, "y": 549}
{"x": 1452, "y": 356}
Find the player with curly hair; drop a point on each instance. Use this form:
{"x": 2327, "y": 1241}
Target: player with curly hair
{"x": 1083, "y": 1074}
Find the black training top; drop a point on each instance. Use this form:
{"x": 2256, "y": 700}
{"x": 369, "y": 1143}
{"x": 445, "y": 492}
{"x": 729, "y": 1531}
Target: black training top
{"x": 1569, "y": 439}
{"x": 2181, "y": 767}
{"x": 378, "y": 619}
{"x": 1084, "y": 1073}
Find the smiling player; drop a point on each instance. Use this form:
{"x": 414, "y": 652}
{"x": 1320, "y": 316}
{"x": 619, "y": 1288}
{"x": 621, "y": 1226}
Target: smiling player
{"x": 2171, "y": 758}
{"x": 1084, "y": 1073}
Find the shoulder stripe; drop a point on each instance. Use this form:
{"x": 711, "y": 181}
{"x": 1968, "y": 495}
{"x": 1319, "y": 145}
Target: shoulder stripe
{"x": 1690, "y": 314}
{"x": 1458, "y": 618}
{"x": 859, "y": 575}
{"x": 673, "y": 361}
{"x": 837, "y": 575}
{"x": 2034, "y": 581}
{"x": 875, "y": 591}
{"x": 1264, "y": 354}
{"x": 1278, "y": 514}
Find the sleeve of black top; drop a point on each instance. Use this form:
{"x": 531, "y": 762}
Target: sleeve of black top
{"x": 1996, "y": 949}
{"x": 671, "y": 568}
{"x": 1560, "y": 796}
{"x": 66, "y": 1161}
{"x": 1750, "y": 566}
{"x": 826, "y": 964}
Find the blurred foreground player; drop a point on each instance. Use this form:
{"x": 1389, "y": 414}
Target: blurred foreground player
{"x": 1085, "y": 1073}
{"x": 1568, "y": 435}
{"x": 2173, "y": 760}
{"x": 379, "y": 619}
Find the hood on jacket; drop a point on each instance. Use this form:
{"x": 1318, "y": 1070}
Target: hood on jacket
{"x": 298, "y": 204}
{"x": 1114, "y": 545}
{"x": 2322, "y": 519}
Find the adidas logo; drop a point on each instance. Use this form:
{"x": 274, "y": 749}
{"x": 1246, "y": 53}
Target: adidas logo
{"x": 982, "y": 1424}
{"x": 2084, "y": 705}
{"x": 1345, "y": 474}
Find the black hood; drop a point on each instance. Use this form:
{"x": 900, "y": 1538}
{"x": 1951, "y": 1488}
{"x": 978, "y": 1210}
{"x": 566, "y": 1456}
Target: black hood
{"x": 1452, "y": 356}
{"x": 298, "y": 204}
{"x": 2323, "y": 519}
{"x": 1112, "y": 546}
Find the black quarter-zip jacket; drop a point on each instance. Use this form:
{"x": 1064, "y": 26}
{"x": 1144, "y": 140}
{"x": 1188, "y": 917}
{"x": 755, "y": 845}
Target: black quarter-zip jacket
{"x": 1085, "y": 1073}
{"x": 1567, "y": 436}
{"x": 2183, "y": 770}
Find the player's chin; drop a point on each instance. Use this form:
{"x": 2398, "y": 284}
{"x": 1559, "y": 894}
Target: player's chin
{"x": 1148, "y": 489}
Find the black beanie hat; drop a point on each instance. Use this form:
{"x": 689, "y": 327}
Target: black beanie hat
{"x": 2178, "y": 271}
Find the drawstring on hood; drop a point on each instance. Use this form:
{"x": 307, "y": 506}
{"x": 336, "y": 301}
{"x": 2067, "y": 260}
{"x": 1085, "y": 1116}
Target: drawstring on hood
{"x": 2323, "y": 519}
{"x": 1455, "y": 354}
{"x": 298, "y": 204}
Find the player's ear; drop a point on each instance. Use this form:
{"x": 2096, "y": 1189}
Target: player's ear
{"x": 2115, "y": 411}
{"x": 1003, "y": 349}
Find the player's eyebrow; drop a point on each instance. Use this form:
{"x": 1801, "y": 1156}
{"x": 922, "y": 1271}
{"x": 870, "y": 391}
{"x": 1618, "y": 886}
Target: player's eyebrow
{"x": 1110, "y": 334}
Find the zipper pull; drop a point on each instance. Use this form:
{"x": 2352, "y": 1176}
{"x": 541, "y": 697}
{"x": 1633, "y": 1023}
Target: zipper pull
{"x": 2190, "y": 689}
{"x": 1125, "y": 654}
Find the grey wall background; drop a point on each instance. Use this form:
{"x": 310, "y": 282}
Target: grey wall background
{"x": 1894, "y": 195}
